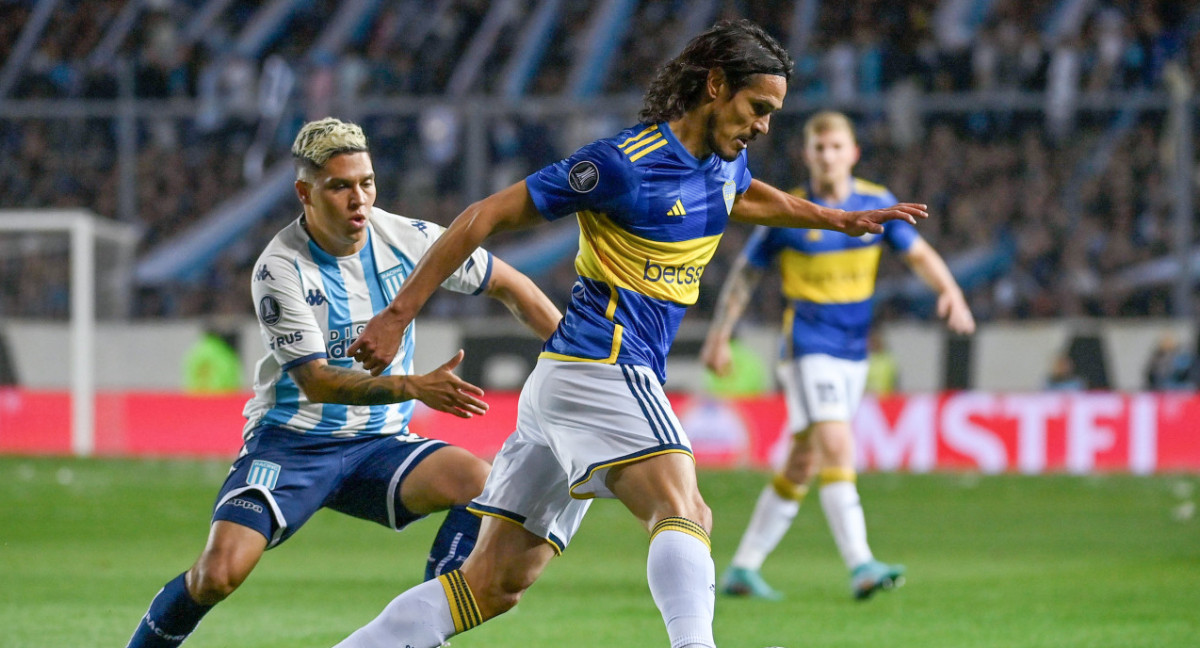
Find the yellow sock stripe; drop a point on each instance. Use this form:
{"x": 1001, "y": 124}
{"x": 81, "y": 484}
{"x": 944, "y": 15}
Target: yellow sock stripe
{"x": 682, "y": 525}
{"x": 788, "y": 490}
{"x": 830, "y": 475}
{"x": 463, "y": 609}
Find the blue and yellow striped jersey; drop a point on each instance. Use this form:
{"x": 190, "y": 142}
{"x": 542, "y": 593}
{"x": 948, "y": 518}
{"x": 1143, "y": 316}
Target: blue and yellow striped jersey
{"x": 829, "y": 277}
{"x": 650, "y": 216}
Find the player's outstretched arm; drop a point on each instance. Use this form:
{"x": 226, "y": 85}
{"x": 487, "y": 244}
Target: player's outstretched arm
{"x": 510, "y": 208}
{"x": 523, "y": 298}
{"x": 932, "y": 269}
{"x": 763, "y": 204}
{"x": 439, "y": 389}
{"x": 735, "y": 294}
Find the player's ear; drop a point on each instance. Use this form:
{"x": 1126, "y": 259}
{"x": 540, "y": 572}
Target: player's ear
{"x": 716, "y": 82}
{"x": 303, "y": 192}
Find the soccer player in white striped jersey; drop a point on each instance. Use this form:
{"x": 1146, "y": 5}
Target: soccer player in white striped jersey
{"x": 828, "y": 282}
{"x": 322, "y": 432}
{"x": 593, "y": 420}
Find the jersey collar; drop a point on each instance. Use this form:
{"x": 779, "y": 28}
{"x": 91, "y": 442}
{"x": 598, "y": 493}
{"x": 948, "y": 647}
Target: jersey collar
{"x": 681, "y": 151}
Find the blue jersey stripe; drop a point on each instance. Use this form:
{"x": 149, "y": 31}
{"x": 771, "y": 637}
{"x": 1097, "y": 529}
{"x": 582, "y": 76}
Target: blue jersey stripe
{"x": 378, "y": 302}
{"x": 333, "y": 416}
{"x": 287, "y": 402}
{"x": 651, "y": 419}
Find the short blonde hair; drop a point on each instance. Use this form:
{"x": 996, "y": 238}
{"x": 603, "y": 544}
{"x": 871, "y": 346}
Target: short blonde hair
{"x": 828, "y": 120}
{"x": 322, "y": 139}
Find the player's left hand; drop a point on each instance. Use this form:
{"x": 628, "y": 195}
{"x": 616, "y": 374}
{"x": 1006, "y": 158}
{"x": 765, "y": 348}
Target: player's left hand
{"x": 952, "y": 307}
{"x": 376, "y": 346}
{"x": 857, "y": 223}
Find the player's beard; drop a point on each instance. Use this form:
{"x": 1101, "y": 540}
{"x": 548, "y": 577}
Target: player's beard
{"x": 710, "y": 140}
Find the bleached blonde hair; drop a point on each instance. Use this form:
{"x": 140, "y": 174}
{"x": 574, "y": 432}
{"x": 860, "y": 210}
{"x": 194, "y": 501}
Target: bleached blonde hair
{"x": 322, "y": 139}
{"x": 828, "y": 120}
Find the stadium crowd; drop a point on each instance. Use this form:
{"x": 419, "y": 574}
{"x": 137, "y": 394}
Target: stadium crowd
{"x": 1058, "y": 201}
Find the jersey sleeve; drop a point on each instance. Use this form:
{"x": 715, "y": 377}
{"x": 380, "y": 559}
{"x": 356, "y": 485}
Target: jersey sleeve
{"x": 899, "y": 235}
{"x": 742, "y": 176}
{"x": 597, "y": 177}
{"x": 285, "y": 321}
{"x": 760, "y": 248}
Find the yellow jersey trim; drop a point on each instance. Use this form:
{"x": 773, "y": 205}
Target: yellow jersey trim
{"x": 868, "y": 188}
{"x": 642, "y": 153}
{"x": 637, "y": 137}
{"x": 637, "y": 145}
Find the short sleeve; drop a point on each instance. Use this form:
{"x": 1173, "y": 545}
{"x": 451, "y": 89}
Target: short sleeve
{"x": 597, "y": 177}
{"x": 742, "y": 175}
{"x": 898, "y": 234}
{"x": 760, "y": 248}
{"x": 472, "y": 276}
{"x": 286, "y": 322}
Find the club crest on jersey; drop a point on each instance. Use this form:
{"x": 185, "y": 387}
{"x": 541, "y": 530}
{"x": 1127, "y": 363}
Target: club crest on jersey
{"x": 584, "y": 176}
{"x": 392, "y": 279}
{"x": 727, "y": 192}
{"x": 268, "y": 310}
{"x": 263, "y": 473}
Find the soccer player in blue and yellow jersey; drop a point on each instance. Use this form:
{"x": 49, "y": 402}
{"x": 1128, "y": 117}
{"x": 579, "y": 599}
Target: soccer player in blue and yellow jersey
{"x": 593, "y": 421}
{"x": 320, "y": 431}
{"x": 828, "y": 279}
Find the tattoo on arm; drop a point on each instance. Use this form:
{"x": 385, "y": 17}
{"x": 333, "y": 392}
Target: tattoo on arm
{"x": 326, "y": 383}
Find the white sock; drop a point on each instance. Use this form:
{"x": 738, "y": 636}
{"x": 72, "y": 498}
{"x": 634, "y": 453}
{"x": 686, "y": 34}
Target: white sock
{"x": 843, "y": 511}
{"x": 773, "y": 516}
{"x": 682, "y": 580}
{"x": 420, "y": 617}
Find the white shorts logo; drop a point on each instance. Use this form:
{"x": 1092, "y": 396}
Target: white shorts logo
{"x": 263, "y": 473}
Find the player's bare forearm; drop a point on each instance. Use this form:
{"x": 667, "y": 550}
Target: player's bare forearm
{"x": 325, "y": 383}
{"x": 524, "y": 299}
{"x": 932, "y": 269}
{"x": 735, "y": 294}
{"x": 762, "y": 204}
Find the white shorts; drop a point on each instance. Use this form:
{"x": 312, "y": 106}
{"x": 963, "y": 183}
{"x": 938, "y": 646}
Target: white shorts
{"x": 575, "y": 421}
{"x": 821, "y": 388}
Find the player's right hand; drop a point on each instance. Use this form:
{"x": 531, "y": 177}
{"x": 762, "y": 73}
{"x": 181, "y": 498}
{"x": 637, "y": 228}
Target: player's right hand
{"x": 857, "y": 223}
{"x": 376, "y": 346}
{"x": 446, "y": 392}
{"x": 717, "y": 356}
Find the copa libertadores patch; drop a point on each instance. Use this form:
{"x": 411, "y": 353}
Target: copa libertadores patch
{"x": 268, "y": 310}
{"x": 583, "y": 176}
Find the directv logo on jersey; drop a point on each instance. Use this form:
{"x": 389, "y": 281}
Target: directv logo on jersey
{"x": 263, "y": 273}
{"x": 315, "y": 297}
{"x": 341, "y": 340}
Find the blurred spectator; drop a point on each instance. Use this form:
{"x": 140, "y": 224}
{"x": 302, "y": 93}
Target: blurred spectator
{"x": 1062, "y": 375}
{"x": 1170, "y": 366}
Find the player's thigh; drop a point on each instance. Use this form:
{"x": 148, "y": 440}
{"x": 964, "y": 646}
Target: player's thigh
{"x": 659, "y": 487}
{"x": 279, "y": 481}
{"x": 833, "y": 442}
{"x": 448, "y": 476}
{"x": 375, "y": 475}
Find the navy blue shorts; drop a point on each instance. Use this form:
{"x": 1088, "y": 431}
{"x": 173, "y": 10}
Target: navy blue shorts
{"x": 282, "y": 478}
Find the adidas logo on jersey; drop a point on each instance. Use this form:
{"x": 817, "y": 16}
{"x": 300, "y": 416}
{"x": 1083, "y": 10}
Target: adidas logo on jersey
{"x": 677, "y": 209}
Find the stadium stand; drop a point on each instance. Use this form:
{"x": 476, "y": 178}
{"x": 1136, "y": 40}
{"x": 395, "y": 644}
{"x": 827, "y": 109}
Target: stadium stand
{"x": 1045, "y": 163}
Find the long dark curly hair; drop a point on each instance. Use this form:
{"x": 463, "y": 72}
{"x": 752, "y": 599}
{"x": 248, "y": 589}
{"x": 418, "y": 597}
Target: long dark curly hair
{"x": 739, "y": 47}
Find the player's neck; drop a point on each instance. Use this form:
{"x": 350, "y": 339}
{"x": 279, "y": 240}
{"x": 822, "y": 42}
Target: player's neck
{"x": 834, "y": 192}
{"x": 690, "y": 130}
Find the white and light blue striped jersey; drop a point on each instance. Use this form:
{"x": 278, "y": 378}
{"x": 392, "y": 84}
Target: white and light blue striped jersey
{"x": 312, "y": 305}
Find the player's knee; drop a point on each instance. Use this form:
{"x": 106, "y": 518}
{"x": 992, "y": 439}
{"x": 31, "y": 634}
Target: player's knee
{"x": 504, "y": 593}
{"x": 214, "y": 578}
{"x": 468, "y": 484}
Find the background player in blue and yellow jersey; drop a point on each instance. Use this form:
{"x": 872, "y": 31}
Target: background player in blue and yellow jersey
{"x": 593, "y": 421}
{"x": 320, "y": 431}
{"x": 828, "y": 279}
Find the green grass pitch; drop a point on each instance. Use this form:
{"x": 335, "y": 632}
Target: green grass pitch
{"x": 994, "y": 561}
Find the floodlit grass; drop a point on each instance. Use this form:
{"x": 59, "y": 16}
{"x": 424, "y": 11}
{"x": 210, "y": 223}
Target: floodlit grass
{"x": 997, "y": 561}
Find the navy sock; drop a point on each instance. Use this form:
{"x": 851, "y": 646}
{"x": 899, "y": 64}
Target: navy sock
{"x": 454, "y": 542}
{"x": 171, "y": 618}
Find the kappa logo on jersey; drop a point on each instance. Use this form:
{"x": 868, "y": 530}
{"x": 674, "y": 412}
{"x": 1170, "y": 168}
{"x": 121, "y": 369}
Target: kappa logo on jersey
{"x": 584, "y": 176}
{"x": 315, "y": 297}
{"x": 677, "y": 209}
{"x": 263, "y": 473}
{"x": 263, "y": 273}
{"x": 421, "y": 227}
{"x": 268, "y": 310}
